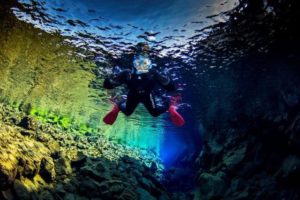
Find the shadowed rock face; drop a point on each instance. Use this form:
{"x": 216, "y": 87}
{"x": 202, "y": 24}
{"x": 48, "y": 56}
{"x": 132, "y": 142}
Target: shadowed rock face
{"x": 251, "y": 149}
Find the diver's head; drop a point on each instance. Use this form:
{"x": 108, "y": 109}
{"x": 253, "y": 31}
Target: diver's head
{"x": 142, "y": 48}
{"x": 142, "y": 62}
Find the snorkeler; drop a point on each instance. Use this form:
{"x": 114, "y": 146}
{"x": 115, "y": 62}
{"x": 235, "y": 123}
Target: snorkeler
{"x": 141, "y": 81}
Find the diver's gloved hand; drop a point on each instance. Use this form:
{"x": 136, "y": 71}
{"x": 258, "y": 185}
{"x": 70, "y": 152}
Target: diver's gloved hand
{"x": 125, "y": 75}
{"x": 153, "y": 71}
{"x": 121, "y": 77}
{"x": 117, "y": 79}
{"x": 163, "y": 79}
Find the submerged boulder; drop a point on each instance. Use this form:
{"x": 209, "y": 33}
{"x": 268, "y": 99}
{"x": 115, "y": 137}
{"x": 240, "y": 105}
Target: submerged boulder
{"x": 290, "y": 170}
{"x": 47, "y": 170}
{"x": 235, "y": 156}
{"x": 22, "y": 161}
{"x": 28, "y": 123}
{"x": 24, "y": 189}
{"x": 211, "y": 186}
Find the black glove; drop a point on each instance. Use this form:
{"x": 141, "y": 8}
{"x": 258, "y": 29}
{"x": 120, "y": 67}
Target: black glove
{"x": 126, "y": 74}
{"x": 164, "y": 80}
{"x": 117, "y": 79}
{"x": 153, "y": 71}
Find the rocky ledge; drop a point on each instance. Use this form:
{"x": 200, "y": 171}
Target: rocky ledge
{"x": 43, "y": 162}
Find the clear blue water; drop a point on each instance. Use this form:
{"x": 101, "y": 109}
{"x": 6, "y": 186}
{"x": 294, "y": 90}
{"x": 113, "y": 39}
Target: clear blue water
{"x": 171, "y": 27}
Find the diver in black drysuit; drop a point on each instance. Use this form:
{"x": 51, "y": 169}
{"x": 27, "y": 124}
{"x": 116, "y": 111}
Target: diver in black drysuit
{"x": 141, "y": 81}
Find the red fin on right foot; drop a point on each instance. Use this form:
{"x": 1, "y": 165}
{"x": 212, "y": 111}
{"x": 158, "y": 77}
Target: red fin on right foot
{"x": 111, "y": 117}
{"x": 176, "y": 118}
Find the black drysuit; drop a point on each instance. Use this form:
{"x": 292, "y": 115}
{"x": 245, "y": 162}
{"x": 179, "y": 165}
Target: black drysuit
{"x": 140, "y": 88}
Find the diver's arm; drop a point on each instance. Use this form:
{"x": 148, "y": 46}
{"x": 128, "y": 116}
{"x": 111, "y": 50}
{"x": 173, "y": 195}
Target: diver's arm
{"x": 163, "y": 80}
{"x": 115, "y": 80}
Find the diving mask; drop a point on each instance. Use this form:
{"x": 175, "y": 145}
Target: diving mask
{"x": 142, "y": 64}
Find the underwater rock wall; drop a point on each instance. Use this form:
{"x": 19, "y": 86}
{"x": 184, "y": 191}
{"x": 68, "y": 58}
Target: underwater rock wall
{"x": 252, "y": 110}
{"x": 41, "y": 161}
{"x": 33, "y": 67}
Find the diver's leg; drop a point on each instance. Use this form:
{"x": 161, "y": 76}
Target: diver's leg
{"x": 130, "y": 104}
{"x": 151, "y": 105}
{"x": 127, "y": 107}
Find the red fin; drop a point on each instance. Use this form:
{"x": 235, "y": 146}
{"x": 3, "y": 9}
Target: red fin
{"x": 111, "y": 117}
{"x": 176, "y": 118}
